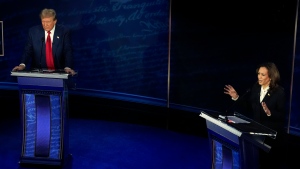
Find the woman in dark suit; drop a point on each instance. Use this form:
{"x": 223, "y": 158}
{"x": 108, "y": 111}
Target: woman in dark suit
{"x": 266, "y": 104}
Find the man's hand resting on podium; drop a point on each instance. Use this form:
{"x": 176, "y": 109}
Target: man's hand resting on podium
{"x": 70, "y": 71}
{"x": 20, "y": 67}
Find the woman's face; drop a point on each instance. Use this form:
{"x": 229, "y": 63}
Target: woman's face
{"x": 263, "y": 77}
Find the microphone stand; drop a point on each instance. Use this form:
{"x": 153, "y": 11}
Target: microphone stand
{"x": 235, "y": 102}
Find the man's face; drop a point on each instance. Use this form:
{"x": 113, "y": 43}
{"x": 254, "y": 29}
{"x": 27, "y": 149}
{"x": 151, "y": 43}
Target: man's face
{"x": 48, "y": 23}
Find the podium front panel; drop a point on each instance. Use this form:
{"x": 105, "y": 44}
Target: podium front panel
{"x": 43, "y": 125}
{"x": 44, "y": 113}
{"x": 33, "y": 81}
{"x": 225, "y": 150}
{"x": 235, "y": 145}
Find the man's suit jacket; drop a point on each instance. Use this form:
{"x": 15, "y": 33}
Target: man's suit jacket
{"x": 34, "y": 53}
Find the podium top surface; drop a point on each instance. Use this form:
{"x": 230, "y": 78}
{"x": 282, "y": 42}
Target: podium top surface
{"x": 238, "y": 124}
{"x": 42, "y": 74}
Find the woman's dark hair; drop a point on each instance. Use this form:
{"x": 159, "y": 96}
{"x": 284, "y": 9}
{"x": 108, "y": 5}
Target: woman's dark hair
{"x": 272, "y": 72}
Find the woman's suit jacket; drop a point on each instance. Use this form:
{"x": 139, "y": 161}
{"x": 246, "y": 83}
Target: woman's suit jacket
{"x": 274, "y": 99}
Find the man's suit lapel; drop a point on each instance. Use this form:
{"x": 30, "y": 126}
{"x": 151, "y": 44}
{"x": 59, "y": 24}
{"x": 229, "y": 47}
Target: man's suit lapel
{"x": 56, "y": 40}
{"x": 42, "y": 45}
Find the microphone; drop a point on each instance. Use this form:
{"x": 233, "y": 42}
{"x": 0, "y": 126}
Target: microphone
{"x": 43, "y": 41}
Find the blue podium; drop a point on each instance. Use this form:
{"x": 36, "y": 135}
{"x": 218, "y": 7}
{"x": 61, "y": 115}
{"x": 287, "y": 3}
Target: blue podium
{"x": 235, "y": 140}
{"x": 44, "y": 117}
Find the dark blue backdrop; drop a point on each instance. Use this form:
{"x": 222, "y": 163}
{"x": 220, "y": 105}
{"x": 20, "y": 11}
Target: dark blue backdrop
{"x": 1, "y": 39}
{"x": 168, "y": 53}
{"x": 119, "y": 46}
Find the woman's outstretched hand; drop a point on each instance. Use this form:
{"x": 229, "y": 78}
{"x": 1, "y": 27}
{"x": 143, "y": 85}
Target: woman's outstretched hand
{"x": 228, "y": 89}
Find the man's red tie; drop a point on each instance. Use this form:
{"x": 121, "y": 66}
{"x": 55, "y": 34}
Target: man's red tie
{"x": 49, "y": 56}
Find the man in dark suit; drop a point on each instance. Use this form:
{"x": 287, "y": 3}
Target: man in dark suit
{"x": 61, "y": 51}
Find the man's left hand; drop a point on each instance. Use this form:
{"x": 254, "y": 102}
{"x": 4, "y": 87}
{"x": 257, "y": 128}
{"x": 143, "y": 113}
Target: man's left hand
{"x": 70, "y": 71}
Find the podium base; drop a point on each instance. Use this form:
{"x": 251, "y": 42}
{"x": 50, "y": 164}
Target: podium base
{"x": 46, "y": 162}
